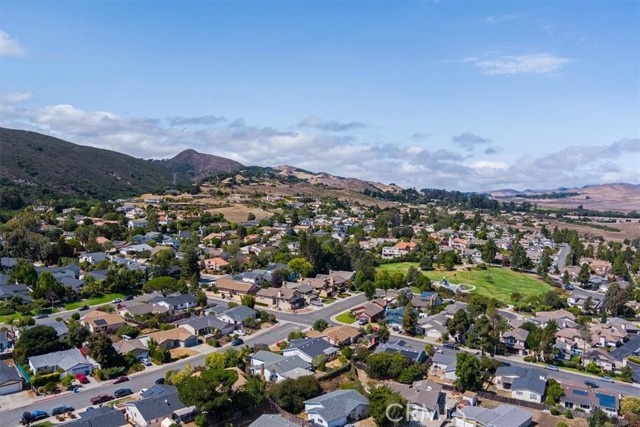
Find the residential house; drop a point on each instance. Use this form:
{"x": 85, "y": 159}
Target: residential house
{"x": 103, "y": 416}
{"x": 502, "y": 416}
{"x": 68, "y": 361}
{"x": 233, "y": 287}
{"x": 608, "y": 334}
{"x": 426, "y": 300}
{"x": 432, "y": 326}
{"x": 321, "y": 285}
{"x": 308, "y": 348}
{"x": 401, "y": 346}
{"x": 305, "y": 290}
{"x": 563, "y": 318}
{"x": 176, "y": 302}
{"x": 581, "y": 298}
{"x": 372, "y": 311}
{"x": 394, "y": 317}
{"x": 630, "y": 348}
{"x": 145, "y": 309}
{"x": 579, "y": 396}
{"x": 10, "y": 379}
{"x": 172, "y": 338}
{"x": 60, "y": 327}
{"x": 524, "y": 383}
{"x": 603, "y": 359}
{"x": 7, "y": 292}
{"x": 443, "y": 364}
{"x": 272, "y": 420}
{"x": 6, "y": 341}
{"x": 137, "y": 223}
{"x": 515, "y": 341}
{"x": 93, "y": 257}
{"x": 337, "y": 408}
{"x": 133, "y": 346}
{"x": 275, "y": 367}
{"x": 238, "y": 315}
{"x": 288, "y": 299}
{"x": 205, "y": 325}
{"x": 341, "y": 335}
{"x": 425, "y": 398}
{"x": 214, "y": 264}
{"x": 99, "y": 321}
{"x": 157, "y": 403}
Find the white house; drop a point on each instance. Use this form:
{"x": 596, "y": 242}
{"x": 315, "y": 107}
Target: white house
{"x": 69, "y": 361}
{"x": 337, "y": 408}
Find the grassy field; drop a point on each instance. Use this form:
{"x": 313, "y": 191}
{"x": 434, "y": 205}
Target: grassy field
{"x": 346, "y": 318}
{"x": 93, "y": 301}
{"x": 498, "y": 283}
{"x": 401, "y": 267}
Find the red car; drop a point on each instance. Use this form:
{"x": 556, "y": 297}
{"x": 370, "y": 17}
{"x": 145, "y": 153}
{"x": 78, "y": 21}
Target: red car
{"x": 100, "y": 399}
{"x": 121, "y": 379}
{"x": 82, "y": 379}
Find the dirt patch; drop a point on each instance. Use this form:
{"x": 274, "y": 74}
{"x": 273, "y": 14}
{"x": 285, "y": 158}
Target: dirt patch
{"x": 239, "y": 212}
{"x": 545, "y": 419}
{"x": 178, "y": 353}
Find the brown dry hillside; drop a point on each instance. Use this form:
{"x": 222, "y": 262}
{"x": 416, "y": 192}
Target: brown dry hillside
{"x": 198, "y": 166}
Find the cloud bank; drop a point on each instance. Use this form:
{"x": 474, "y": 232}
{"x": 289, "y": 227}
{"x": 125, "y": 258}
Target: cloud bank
{"x": 11, "y": 47}
{"x": 539, "y": 63}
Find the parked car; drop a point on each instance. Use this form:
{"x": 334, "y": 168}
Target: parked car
{"x": 62, "y": 409}
{"x": 122, "y": 392}
{"x": 121, "y": 379}
{"x": 238, "y": 332}
{"x": 552, "y": 368}
{"x": 237, "y": 342}
{"x": 146, "y": 361}
{"x": 101, "y": 398}
{"x": 606, "y": 379}
{"x": 316, "y": 303}
{"x": 590, "y": 384}
{"x": 29, "y": 417}
{"x": 451, "y": 346}
{"x": 42, "y": 316}
{"x": 82, "y": 379}
{"x": 363, "y": 321}
{"x": 83, "y": 308}
{"x": 116, "y": 301}
{"x": 128, "y": 298}
{"x": 160, "y": 381}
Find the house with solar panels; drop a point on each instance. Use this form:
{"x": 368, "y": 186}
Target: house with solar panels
{"x": 588, "y": 399}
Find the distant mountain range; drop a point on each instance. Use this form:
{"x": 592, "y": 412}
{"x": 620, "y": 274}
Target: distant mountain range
{"x": 48, "y": 166}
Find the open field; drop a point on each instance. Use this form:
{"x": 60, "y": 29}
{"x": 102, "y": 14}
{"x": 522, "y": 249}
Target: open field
{"x": 401, "y": 267}
{"x": 93, "y": 301}
{"x": 239, "y": 212}
{"x": 498, "y": 283}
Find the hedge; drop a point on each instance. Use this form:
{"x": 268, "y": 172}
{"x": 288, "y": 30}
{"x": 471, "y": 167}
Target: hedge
{"x": 335, "y": 372}
{"x": 40, "y": 380}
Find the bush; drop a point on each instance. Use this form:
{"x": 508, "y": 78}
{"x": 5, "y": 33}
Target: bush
{"x": 562, "y": 424}
{"x": 529, "y": 359}
{"x": 6, "y": 311}
{"x": 110, "y": 373}
{"x": 568, "y": 414}
{"x": 41, "y": 380}
{"x": 213, "y": 342}
{"x": 75, "y": 316}
{"x": 554, "y": 410}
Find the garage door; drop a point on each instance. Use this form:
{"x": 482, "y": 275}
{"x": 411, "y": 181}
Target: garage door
{"x": 10, "y": 388}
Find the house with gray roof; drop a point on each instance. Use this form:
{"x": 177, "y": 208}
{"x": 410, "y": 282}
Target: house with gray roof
{"x": 157, "y": 403}
{"x": 272, "y": 420}
{"x": 176, "y": 302}
{"x": 579, "y": 396}
{"x": 7, "y": 292}
{"x": 425, "y": 398}
{"x": 238, "y": 315}
{"x": 68, "y": 361}
{"x": 60, "y": 327}
{"x": 443, "y": 363}
{"x": 10, "y": 379}
{"x": 93, "y": 257}
{"x": 275, "y": 367}
{"x": 308, "y": 348}
{"x": 524, "y": 383}
{"x": 337, "y": 408}
{"x": 204, "y": 325}
{"x": 104, "y": 416}
{"x": 402, "y": 347}
{"x": 502, "y": 416}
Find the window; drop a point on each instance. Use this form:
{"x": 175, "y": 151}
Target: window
{"x": 533, "y": 396}
{"x": 518, "y": 393}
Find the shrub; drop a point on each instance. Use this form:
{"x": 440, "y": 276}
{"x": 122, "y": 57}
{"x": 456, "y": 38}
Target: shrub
{"x": 568, "y": 414}
{"x": 6, "y": 311}
{"x": 75, "y": 316}
{"x": 41, "y": 380}
{"x": 115, "y": 372}
{"x": 562, "y": 424}
{"x": 529, "y": 359}
{"x": 554, "y": 410}
{"x": 213, "y": 342}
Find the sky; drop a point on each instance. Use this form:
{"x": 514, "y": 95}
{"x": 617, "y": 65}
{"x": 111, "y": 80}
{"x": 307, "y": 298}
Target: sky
{"x": 469, "y": 95}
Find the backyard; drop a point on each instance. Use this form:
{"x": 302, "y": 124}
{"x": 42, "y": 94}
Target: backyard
{"x": 498, "y": 283}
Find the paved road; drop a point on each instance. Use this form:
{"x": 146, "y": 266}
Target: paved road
{"x": 137, "y": 381}
{"x": 562, "y": 257}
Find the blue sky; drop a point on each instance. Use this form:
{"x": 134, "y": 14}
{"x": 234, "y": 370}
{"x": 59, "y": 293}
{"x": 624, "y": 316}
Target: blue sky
{"x": 469, "y": 95}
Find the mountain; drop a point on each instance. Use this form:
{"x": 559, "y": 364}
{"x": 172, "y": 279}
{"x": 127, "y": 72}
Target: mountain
{"x": 333, "y": 181}
{"x": 615, "y": 197}
{"x": 52, "y": 166}
{"x": 198, "y": 166}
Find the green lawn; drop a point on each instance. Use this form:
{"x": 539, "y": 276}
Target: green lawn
{"x": 44, "y": 424}
{"x": 498, "y": 283}
{"x": 328, "y": 300}
{"x": 401, "y": 267}
{"x": 93, "y": 301}
{"x": 346, "y": 318}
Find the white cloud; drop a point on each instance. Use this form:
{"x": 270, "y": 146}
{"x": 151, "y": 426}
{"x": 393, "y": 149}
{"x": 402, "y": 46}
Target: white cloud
{"x": 11, "y": 47}
{"x": 468, "y": 141}
{"x": 538, "y": 63}
{"x": 313, "y": 122}
{"x": 17, "y": 97}
{"x": 342, "y": 154}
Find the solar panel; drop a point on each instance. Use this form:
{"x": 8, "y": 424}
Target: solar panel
{"x": 581, "y": 392}
{"x": 606, "y": 400}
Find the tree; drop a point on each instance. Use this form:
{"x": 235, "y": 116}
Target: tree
{"x": 369, "y": 289}
{"x": 201, "y": 298}
{"x": 548, "y": 339}
{"x": 459, "y": 325}
{"x": 489, "y": 251}
{"x": 615, "y": 299}
{"x": 211, "y": 392}
{"x": 630, "y": 405}
{"x": 248, "y": 300}
{"x": 554, "y": 392}
{"x": 25, "y": 273}
{"x": 598, "y": 418}
{"x": 552, "y": 300}
{"x": 77, "y": 334}
{"x": 565, "y": 278}
{"x": 102, "y": 351}
{"x": 35, "y": 341}
{"x": 387, "y": 407}
{"x": 585, "y": 335}
{"x": 47, "y": 286}
{"x": 386, "y": 365}
{"x": 128, "y": 330}
{"x": 164, "y": 284}
{"x": 320, "y": 325}
{"x": 190, "y": 266}
{"x": 468, "y": 373}
{"x": 584, "y": 275}
{"x": 67, "y": 380}
{"x": 301, "y": 266}
{"x": 410, "y": 320}
{"x": 291, "y": 394}
{"x": 279, "y": 276}
{"x": 519, "y": 259}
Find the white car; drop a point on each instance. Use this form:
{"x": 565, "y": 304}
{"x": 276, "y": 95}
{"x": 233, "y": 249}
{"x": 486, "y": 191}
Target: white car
{"x": 146, "y": 361}
{"x": 239, "y": 333}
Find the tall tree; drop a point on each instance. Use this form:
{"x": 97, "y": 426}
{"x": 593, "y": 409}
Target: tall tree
{"x": 585, "y": 274}
{"x": 35, "y": 341}
{"x": 489, "y": 251}
{"x": 102, "y": 351}
{"x": 410, "y": 320}
{"x": 387, "y": 407}
{"x": 468, "y": 372}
